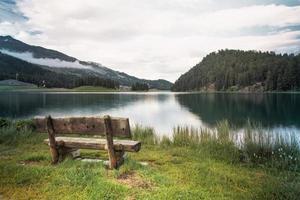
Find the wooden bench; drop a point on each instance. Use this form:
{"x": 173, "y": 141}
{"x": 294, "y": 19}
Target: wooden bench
{"x": 105, "y": 126}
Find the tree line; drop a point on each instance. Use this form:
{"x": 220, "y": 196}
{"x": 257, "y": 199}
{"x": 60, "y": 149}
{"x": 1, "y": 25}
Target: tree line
{"x": 237, "y": 69}
{"x": 31, "y": 73}
{"x": 140, "y": 87}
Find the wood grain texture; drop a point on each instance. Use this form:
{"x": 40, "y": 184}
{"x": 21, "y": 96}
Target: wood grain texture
{"x": 85, "y": 125}
{"x": 97, "y": 143}
{"x": 52, "y": 141}
{"x": 120, "y": 157}
{"x": 110, "y": 142}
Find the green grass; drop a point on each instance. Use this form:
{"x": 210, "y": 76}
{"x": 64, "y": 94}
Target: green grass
{"x": 145, "y": 134}
{"x": 37, "y": 89}
{"x": 15, "y": 88}
{"x": 93, "y": 89}
{"x": 195, "y": 164}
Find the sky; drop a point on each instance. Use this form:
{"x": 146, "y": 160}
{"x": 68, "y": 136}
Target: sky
{"x": 153, "y": 38}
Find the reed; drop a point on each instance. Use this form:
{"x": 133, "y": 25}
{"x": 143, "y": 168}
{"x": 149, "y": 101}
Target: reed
{"x": 192, "y": 163}
{"x": 16, "y": 132}
{"x": 271, "y": 148}
{"x": 145, "y": 134}
{"x": 257, "y": 146}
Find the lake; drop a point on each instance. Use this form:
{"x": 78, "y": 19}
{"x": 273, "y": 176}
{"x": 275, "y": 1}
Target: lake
{"x": 162, "y": 110}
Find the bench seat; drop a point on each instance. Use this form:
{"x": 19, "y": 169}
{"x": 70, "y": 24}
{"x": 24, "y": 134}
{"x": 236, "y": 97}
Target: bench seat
{"x": 97, "y": 143}
{"x": 62, "y": 146}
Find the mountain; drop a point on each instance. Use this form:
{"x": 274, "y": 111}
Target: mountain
{"x": 247, "y": 71}
{"x": 60, "y": 63}
{"x": 12, "y": 68}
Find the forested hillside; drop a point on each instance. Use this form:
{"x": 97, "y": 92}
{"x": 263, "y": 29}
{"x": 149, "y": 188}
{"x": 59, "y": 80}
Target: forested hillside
{"x": 31, "y": 73}
{"x": 237, "y": 70}
{"x": 61, "y": 63}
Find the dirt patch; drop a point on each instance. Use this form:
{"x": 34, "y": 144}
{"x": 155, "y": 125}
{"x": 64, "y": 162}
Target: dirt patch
{"x": 133, "y": 180}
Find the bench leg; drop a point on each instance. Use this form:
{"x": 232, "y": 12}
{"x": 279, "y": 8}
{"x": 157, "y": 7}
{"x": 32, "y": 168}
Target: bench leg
{"x": 119, "y": 157}
{"x": 111, "y": 158}
{"x": 110, "y": 143}
{"x": 52, "y": 142}
{"x": 54, "y": 154}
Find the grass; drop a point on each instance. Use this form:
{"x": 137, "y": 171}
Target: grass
{"x": 93, "y": 89}
{"x": 145, "y": 134}
{"x": 4, "y": 88}
{"x": 194, "y": 164}
{"x": 37, "y": 89}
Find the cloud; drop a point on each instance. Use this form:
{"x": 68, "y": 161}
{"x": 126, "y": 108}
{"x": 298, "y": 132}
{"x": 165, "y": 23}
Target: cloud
{"x": 27, "y": 56}
{"x": 154, "y": 38}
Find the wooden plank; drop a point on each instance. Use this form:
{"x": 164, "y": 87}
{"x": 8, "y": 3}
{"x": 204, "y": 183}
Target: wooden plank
{"x": 85, "y": 125}
{"x": 110, "y": 142}
{"x": 97, "y": 143}
{"x": 52, "y": 142}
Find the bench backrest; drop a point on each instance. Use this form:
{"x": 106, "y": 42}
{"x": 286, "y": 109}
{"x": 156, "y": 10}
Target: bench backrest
{"x": 85, "y": 125}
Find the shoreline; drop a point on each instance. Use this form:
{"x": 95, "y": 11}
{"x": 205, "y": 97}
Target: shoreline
{"x": 89, "y": 89}
{"x": 83, "y": 89}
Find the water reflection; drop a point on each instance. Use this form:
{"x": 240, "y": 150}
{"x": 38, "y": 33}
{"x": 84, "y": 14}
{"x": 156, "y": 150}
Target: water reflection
{"x": 269, "y": 110}
{"x": 25, "y": 105}
{"x": 162, "y": 111}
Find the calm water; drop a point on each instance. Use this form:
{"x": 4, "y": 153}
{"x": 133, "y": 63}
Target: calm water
{"x": 162, "y": 111}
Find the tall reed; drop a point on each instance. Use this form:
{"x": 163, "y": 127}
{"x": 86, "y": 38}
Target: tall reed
{"x": 145, "y": 134}
{"x": 256, "y": 145}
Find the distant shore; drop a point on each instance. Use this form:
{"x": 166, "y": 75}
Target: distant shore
{"x": 4, "y": 88}
{"x": 8, "y": 88}
{"x": 239, "y": 92}
{"x": 40, "y": 89}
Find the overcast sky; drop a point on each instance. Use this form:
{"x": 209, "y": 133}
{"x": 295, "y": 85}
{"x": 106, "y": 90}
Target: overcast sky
{"x": 152, "y": 38}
